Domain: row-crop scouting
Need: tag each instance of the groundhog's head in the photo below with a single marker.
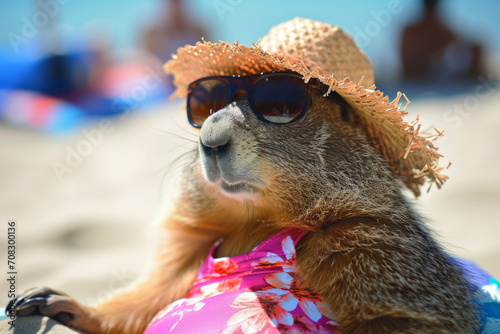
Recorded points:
(295, 129)
(281, 145)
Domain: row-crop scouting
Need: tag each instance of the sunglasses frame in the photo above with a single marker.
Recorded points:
(247, 83)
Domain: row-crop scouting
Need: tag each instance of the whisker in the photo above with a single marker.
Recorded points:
(179, 136)
(189, 155)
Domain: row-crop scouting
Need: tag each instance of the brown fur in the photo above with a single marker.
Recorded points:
(367, 252)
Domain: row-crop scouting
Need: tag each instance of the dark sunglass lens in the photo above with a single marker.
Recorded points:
(205, 98)
(279, 98)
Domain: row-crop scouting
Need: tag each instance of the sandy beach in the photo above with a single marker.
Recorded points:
(88, 229)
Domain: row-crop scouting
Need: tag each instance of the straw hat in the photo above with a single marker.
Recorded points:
(327, 53)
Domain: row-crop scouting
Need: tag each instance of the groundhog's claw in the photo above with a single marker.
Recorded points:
(36, 301)
(55, 305)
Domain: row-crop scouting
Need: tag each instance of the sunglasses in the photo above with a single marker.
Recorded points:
(274, 97)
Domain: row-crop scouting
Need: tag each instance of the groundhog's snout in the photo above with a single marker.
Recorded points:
(228, 151)
(215, 136)
(216, 143)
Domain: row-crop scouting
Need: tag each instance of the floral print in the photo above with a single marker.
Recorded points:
(214, 289)
(295, 294)
(260, 292)
(275, 302)
(251, 293)
(254, 316)
(177, 310)
(272, 259)
(303, 325)
(225, 266)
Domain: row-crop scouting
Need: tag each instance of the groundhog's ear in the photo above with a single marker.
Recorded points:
(342, 107)
(345, 113)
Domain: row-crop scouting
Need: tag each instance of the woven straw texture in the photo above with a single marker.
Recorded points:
(327, 53)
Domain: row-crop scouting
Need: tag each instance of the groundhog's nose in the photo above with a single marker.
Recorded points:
(216, 134)
(227, 150)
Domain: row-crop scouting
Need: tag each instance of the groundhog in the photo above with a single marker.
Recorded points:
(297, 151)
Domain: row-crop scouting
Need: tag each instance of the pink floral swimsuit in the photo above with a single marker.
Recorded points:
(258, 293)
(250, 293)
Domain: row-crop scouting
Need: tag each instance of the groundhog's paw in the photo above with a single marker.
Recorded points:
(55, 305)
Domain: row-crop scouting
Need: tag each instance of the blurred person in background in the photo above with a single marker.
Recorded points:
(430, 49)
(172, 29)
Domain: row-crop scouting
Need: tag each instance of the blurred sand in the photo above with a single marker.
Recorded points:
(91, 233)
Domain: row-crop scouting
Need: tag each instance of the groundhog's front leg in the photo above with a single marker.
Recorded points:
(379, 277)
(131, 311)
(126, 313)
